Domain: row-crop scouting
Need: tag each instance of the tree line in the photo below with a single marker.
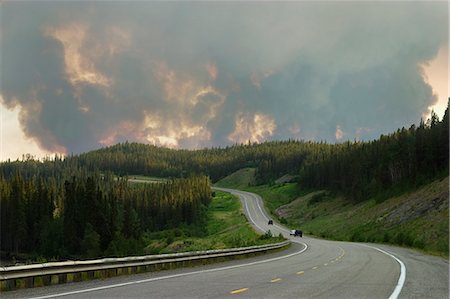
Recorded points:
(407, 157)
(77, 195)
(90, 214)
(271, 159)
(401, 160)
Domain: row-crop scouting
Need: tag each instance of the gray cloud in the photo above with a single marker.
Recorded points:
(202, 74)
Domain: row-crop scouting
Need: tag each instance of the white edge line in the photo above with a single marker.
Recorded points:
(259, 206)
(250, 215)
(242, 198)
(181, 274)
(247, 210)
(171, 276)
(257, 201)
(401, 279)
(264, 214)
(256, 198)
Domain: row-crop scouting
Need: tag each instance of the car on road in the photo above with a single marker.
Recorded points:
(270, 222)
(296, 233)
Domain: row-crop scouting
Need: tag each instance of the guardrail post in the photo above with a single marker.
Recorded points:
(90, 275)
(46, 280)
(112, 272)
(5, 285)
(52, 273)
(10, 284)
(123, 270)
(62, 278)
(29, 282)
(77, 277)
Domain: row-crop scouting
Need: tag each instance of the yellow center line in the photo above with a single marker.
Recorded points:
(275, 280)
(340, 256)
(239, 291)
(301, 272)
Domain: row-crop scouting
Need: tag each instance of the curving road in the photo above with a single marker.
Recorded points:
(311, 268)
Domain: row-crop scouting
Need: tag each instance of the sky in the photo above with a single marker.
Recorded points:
(77, 76)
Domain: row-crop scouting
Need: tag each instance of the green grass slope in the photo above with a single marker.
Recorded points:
(226, 227)
(274, 195)
(418, 218)
(238, 180)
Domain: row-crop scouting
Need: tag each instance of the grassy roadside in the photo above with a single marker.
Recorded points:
(277, 195)
(240, 179)
(274, 196)
(226, 227)
(418, 219)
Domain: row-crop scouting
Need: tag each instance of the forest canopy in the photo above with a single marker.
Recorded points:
(88, 198)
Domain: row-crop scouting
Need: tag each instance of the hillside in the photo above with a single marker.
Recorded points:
(43, 199)
(418, 218)
(238, 180)
(274, 195)
(225, 227)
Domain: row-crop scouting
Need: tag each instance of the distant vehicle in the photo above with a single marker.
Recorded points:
(296, 233)
(270, 222)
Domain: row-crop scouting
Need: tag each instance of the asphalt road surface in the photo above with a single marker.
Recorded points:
(310, 268)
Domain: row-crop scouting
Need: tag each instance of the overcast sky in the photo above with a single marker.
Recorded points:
(77, 76)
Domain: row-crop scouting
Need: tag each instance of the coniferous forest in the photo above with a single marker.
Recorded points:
(405, 159)
(89, 215)
(80, 206)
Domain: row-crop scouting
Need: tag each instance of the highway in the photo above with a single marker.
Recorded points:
(310, 268)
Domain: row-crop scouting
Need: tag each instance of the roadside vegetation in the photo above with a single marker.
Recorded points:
(88, 215)
(274, 195)
(241, 179)
(226, 227)
(83, 205)
(418, 218)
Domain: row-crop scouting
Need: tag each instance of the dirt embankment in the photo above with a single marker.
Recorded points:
(433, 197)
(290, 209)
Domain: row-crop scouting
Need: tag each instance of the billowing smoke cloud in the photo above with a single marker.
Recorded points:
(252, 129)
(191, 75)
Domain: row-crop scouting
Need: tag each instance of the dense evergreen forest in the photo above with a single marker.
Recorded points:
(405, 159)
(271, 159)
(78, 195)
(89, 215)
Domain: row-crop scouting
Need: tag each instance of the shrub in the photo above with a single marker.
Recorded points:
(266, 236)
(316, 198)
(400, 238)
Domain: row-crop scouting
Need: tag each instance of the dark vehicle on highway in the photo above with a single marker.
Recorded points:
(270, 222)
(296, 233)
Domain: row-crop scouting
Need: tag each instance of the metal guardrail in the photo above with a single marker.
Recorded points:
(149, 262)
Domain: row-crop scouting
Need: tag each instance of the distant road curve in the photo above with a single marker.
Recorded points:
(411, 274)
(311, 268)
